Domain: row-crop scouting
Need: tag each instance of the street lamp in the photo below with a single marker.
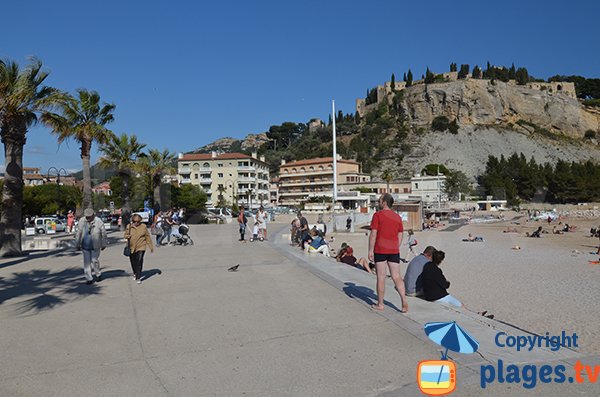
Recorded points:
(57, 181)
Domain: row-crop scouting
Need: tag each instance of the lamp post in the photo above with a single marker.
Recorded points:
(58, 170)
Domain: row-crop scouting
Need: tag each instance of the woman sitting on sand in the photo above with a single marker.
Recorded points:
(435, 284)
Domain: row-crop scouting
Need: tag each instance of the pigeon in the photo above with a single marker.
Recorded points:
(234, 268)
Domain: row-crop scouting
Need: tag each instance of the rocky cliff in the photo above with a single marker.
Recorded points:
(229, 144)
(479, 102)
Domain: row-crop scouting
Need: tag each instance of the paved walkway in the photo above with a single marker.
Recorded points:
(285, 324)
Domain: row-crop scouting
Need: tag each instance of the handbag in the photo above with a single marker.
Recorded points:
(127, 250)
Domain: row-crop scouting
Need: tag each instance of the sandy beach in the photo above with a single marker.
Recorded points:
(546, 286)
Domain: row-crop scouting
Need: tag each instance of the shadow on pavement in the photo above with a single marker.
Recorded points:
(365, 294)
(149, 273)
(45, 289)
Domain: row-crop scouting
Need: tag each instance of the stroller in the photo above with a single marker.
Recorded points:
(183, 238)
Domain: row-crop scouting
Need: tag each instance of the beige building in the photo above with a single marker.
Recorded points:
(32, 176)
(299, 180)
(237, 177)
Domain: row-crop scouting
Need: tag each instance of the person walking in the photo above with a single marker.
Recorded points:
(70, 221)
(138, 238)
(91, 239)
(384, 249)
(242, 222)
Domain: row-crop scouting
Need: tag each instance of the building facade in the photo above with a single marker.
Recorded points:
(32, 176)
(302, 179)
(233, 177)
(431, 189)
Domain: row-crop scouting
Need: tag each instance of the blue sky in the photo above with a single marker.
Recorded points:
(183, 73)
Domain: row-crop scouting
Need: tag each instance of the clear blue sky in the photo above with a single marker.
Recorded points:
(183, 73)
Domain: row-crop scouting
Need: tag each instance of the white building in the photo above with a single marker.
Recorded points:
(429, 188)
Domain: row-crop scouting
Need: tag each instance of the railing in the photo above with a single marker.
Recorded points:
(316, 172)
(300, 183)
(245, 168)
(205, 180)
(186, 180)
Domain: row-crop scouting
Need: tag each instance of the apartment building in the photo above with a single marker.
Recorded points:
(299, 180)
(32, 176)
(431, 189)
(236, 177)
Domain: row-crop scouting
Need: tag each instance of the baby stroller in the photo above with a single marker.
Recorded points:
(256, 234)
(183, 238)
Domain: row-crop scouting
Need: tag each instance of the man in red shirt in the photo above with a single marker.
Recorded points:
(384, 249)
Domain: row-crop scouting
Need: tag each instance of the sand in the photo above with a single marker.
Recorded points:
(546, 286)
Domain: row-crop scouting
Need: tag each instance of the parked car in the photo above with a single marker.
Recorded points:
(42, 224)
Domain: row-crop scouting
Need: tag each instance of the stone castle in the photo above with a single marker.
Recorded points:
(385, 91)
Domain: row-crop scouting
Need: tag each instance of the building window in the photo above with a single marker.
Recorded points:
(416, 186)
(220, 165)
(405, 190)
(206, 165)
(220, 175)
(195, 176)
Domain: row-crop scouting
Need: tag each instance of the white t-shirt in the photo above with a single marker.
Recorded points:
(261, 218)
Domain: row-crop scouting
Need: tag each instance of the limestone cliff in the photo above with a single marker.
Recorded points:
(476, 102)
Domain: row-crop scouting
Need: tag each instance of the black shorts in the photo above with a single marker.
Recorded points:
(394, 258)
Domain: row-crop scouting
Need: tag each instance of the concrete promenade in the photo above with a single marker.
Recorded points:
(285, 324)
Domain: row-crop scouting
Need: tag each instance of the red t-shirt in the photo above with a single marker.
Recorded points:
(388, 224)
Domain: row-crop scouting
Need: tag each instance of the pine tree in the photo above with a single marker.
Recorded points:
(393, 82)
(409, 78)
(429, 77)
(476, 72)
(522, 76)
(340, 117)
(464, 71)
(404, 77)
(512, 74)
(453, 67)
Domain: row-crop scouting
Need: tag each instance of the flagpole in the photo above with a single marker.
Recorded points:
(334, 155)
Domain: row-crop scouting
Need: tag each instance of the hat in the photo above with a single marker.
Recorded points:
(349, 250)
(344, 245)
(88, 212)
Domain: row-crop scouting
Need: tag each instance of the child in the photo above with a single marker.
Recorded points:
(412, 242)
(256, 234)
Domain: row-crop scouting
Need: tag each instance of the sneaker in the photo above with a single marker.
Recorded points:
(139, 281)
(99, 278)
(88, 282)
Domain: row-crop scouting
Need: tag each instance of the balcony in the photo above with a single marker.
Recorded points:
(307, 182)
(245, 179)
(306, 173)
(185, 170)
(205, 180)
(186, 180)
(245, 168)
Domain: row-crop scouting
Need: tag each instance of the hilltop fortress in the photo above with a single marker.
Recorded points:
(385, 91)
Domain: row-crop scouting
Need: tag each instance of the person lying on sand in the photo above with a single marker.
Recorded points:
(510, 230)
(473, 239)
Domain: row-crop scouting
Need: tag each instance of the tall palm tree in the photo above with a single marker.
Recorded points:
(83, 119)
(23, 98)
(160, 163)
(122, 152)
(388, 176)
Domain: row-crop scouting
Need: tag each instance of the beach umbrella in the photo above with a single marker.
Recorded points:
(452, 337)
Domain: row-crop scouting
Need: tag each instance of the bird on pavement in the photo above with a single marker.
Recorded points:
(234, 268)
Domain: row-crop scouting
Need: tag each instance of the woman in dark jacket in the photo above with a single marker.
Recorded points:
(435, 284)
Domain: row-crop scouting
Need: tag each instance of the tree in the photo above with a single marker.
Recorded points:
(522, 76)
(434, 169)
(190, 197)
(121, 152)
(23, 101)
(456, 184)
(409, 78)
(476, 72)
(83, 119)
(512, 74)
(453, 67)
(387, 175)
(158, 164)
(393, 82)
(429, 77)
(404, 77)
(464, 71)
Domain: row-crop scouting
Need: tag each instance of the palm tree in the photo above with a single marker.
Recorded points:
(83, 119)
(387, 175)
(23, 98)
(156, 164)
(121, 153)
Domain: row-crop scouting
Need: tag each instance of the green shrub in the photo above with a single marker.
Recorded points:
(440, 123)
(590, 134)
(453, 127)
(592, 102)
